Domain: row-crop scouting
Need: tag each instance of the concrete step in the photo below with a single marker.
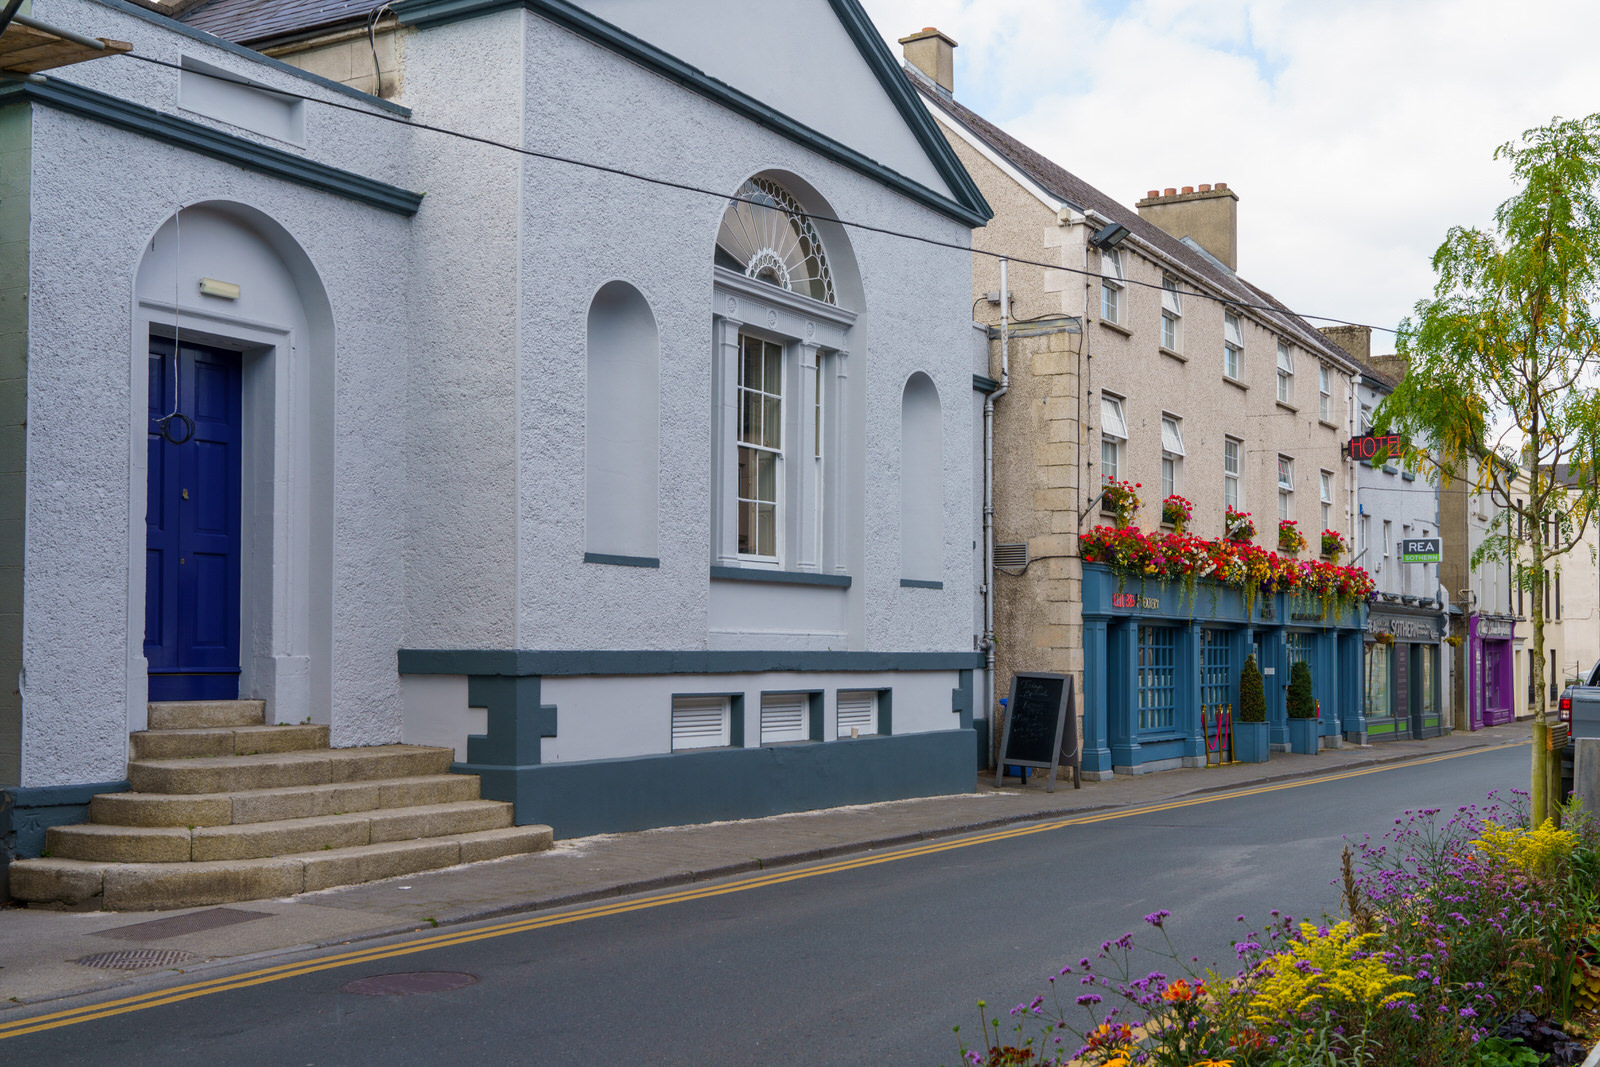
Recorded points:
(260, 840)
(226, 741)
(160, 886)
(273, 805)
(218, 774)
(206, 714)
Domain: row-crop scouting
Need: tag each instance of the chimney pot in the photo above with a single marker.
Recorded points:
(1170, 192)
(1153, 193)
(1220, 185)
(1188, 188)
(1205, 188)
(932, 53)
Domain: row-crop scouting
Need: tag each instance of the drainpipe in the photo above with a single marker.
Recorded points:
(988, 494)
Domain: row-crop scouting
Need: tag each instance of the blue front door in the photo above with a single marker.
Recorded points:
(191, 601)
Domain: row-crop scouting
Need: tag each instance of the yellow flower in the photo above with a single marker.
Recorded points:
(1533, 851)
(1319, 968)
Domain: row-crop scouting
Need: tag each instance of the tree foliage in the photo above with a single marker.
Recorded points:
(1503, 362)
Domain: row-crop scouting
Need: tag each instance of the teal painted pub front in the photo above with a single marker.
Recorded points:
(1156, 653)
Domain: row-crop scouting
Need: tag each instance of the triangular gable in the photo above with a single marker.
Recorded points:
(816, 71)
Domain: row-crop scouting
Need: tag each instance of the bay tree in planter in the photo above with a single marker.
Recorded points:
(1252, 741)
(1302, 708)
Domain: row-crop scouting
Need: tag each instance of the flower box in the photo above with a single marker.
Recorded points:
(1252, 741)
(1304, 736)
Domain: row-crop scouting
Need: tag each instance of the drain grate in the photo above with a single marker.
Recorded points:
(137, 959)
(409, 982)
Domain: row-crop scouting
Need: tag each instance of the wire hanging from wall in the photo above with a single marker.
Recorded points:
(186, 424)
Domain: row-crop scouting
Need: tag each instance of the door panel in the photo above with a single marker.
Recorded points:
(192, 526)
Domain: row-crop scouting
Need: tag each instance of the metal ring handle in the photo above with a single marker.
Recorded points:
(188, 428)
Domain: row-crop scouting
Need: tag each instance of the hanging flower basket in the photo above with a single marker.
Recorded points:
(1333, 545)
(1238, 527)
(1175, 512)
(1290, 539)
(1121, 500)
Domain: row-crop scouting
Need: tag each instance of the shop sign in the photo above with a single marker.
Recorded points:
(1419, 550)
(1371, 445)
(1494, 629)
(1406, 629)
(1130, 600)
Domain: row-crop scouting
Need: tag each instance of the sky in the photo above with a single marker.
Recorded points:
(1355, 133)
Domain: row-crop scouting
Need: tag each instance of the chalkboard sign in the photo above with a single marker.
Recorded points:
(1041, 728)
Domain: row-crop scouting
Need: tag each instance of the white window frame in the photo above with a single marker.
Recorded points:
(780, 452)
(1325, 491)
(1232, 479)
(1285, 487)
(701, 722)
(1171, 315)
(1113, 436)
(785, 718)
(1111, 286)
(1172, 453)
(1324, 393)
(856, 709)
(1285, 373)
(1232, 346)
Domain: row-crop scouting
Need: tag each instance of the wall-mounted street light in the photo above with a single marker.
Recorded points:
(1109, 236)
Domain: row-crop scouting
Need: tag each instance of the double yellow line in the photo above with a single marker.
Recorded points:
(157, 998)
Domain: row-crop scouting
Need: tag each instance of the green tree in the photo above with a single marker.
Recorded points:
(1500, 381)
(1252, 693)
(1301, 703)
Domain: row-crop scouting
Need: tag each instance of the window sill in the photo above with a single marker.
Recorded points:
(776, 577)
(1334, 426)
(621, 561)
(1117, 327)
(1236, 383)
(1285, 405)
(919, 583)
(1408, 476)
(1170, 354)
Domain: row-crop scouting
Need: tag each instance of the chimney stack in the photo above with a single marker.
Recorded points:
(1210, 216)
(935, 55)
(1356, 340)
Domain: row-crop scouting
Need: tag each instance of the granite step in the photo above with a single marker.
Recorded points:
(70, 882)
(225, 741)
(219, 774)
(206, 714)
(272, 805)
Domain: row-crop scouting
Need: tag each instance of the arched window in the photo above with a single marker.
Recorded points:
(921, 482)
(765, 235)
(621, 426)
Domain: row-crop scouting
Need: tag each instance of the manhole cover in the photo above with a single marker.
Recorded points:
(137, 959)
(409, 982)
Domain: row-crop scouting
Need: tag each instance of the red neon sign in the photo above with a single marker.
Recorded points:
(1370, 446)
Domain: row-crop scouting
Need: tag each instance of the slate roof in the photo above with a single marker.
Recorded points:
(244, 21)
(1063, 184)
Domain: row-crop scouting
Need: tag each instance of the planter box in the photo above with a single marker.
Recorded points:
(1304, 736)
(1252, 741)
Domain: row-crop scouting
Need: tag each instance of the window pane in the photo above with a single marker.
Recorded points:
(1230, 491)
(1111, 420)
(1168, 476)
(1230, 361)
(1285, 361)
(750, 418)
(1327, 488)
(767, 529)
(1169, 332)
(1171, 437)
(1170, 301)
(1283, 505)
(771, 422)
(1232, 331)
(1108, 458)
(1230, 456)
(773, 381)
(766, 477)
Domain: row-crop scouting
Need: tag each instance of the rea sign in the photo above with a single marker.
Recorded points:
(1419, 550)
(1372, 445)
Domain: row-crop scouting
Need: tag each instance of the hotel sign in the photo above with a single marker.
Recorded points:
(1406, 628)
(1370, 446)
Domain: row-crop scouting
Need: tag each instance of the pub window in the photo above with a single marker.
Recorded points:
(1378, 659)
(1158, 701)
(1216, 667)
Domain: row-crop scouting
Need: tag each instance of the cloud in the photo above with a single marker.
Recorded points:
(1355, 133)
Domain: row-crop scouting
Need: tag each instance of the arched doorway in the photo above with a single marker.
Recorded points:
(232, 466)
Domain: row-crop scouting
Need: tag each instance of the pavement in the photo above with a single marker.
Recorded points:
(46, 955)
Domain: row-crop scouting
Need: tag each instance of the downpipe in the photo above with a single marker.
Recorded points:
(988, 643)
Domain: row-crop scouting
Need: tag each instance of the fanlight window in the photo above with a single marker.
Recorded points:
(765, 234)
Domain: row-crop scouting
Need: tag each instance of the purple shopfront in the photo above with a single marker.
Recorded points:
(1490, 684)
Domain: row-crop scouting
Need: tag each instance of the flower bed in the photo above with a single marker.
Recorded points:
(1467, 941)
(1178, 557)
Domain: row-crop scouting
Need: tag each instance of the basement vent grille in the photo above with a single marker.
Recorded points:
(858, 711)
(137, 959)
(1011, 555)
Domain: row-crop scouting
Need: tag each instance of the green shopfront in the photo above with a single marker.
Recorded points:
(1162, 662)
(1401, 671)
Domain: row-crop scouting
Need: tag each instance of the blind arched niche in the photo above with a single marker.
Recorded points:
(921, 482)
(621, 425)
